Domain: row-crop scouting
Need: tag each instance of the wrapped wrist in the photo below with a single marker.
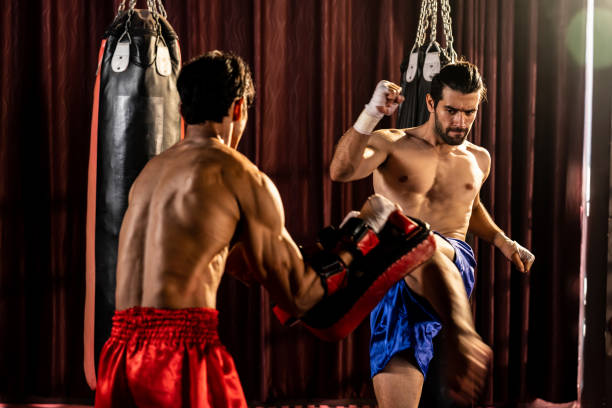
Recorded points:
(366, 122)
(507, 246)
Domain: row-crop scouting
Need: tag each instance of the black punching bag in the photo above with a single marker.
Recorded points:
(135, 117)
(418, 69)
(422, 62)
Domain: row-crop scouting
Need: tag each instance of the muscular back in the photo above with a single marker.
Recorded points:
(187, 208)
(169, 253)
(435, 183)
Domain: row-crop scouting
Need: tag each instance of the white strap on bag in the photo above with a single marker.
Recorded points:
(121, 56)
(431, 66)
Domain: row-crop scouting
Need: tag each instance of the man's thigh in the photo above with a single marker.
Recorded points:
(445, 247)
(399, 384)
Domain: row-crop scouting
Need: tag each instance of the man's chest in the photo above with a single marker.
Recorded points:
(452, 175)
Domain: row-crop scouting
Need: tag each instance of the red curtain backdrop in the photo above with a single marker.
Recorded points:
(315, 65)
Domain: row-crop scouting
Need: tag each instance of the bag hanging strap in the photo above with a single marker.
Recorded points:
(156, 7)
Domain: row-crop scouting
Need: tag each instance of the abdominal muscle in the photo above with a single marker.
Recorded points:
(446, 216)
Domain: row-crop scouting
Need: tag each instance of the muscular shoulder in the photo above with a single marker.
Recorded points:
(394, 141)
(240, 173)
(386, 137)
(235, 166)
(481, 155)
(256, 194)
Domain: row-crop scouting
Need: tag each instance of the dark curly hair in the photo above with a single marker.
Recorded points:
(208, 85)
(462, 76)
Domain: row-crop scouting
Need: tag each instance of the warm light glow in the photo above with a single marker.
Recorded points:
(367, 153)
(586, 183)
(600, 33)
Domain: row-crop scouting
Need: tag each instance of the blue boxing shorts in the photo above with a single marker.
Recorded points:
(404, 320)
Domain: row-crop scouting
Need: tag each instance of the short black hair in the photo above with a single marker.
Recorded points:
(462, 76)
(208, 85)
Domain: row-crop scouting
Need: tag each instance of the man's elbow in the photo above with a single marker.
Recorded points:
(337, 173)
(298, 307)
(302, 307)
(307, 297)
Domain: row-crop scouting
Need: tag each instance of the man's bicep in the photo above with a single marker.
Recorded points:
(373, 156)
(356, 156)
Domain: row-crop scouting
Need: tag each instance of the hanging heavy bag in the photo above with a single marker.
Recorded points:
(135, 117)
(422, 62)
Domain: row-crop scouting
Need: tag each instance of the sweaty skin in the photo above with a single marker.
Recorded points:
(439, 183)
(187, 209)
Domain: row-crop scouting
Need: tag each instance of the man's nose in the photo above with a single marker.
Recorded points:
(460, 119)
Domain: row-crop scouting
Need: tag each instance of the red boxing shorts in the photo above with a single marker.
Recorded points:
(167, 358)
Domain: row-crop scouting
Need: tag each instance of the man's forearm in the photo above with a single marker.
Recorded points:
(482, 225)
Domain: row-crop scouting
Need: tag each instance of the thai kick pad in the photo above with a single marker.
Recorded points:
(135, 117)
(401, 245)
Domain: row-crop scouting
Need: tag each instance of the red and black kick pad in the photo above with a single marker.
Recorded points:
(404, 244)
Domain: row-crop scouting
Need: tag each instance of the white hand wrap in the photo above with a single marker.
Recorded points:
(365, 123)
(375, 211)
(509, 247)
(370, 116)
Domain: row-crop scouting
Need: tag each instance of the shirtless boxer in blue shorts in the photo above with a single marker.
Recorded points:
(434, 174)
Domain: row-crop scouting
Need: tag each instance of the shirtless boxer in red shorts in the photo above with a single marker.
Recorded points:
(186, 209)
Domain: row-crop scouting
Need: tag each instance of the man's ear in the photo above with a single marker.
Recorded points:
(430, 103)
(237, 112)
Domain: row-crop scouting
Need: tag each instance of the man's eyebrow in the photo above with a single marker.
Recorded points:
(459, 110)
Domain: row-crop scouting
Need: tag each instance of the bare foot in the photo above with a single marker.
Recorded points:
(468, 363)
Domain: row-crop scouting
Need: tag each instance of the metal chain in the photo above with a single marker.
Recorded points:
(447, 23)
(420, 37)
(126, 29)
(434, 20)
(122, 6)
(152, 7)
(428, 18)
(431, 5)
(161, 9)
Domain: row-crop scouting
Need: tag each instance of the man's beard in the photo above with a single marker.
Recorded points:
(446, 137)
